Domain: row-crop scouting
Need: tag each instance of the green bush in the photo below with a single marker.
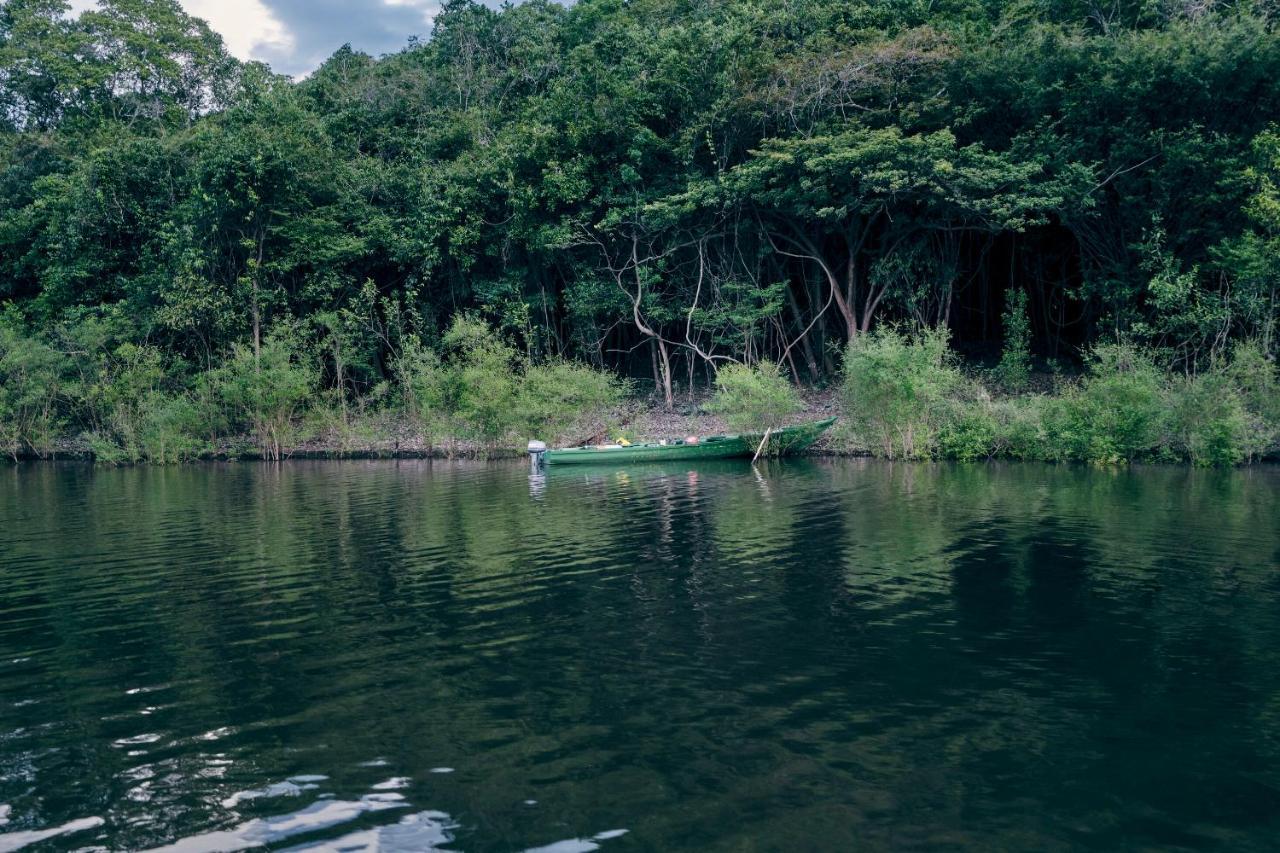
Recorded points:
(161, 428)
(171, 429)
(752, 398)
(1116, 414)
(30, 383)
(1014, 370)
(485, 375)
(903, 398)
(484, 389)
(426, 389)
(106, 451)
(116, 386)
(116, 389)
(265, 393)
(1207, 420)
(1253, 373)
(895, 390)
(557, 395)
(213, 412)
(1020, 427)
(970, 433)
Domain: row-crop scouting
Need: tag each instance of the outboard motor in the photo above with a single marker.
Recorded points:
(537, 454)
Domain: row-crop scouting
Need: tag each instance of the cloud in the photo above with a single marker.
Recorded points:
(295, 36)
(319, 27)
(429, 7)
(249, 27)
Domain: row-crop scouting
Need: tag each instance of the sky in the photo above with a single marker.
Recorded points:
(295, 36)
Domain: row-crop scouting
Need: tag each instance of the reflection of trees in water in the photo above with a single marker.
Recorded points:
(901, 522)
(710, 636)
(1149, 593)
(906, 525)
(753, 516)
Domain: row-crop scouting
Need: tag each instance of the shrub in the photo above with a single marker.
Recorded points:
(1014, 370)
(484, 380)
(895, 390)
(1255, 376)
(171, 429)
(213, 413)
(106, 451)
(753, 397)
(30, 381)
(266, 393)
(160, 427)
(486, 390)
(1019, 427)
(426, 389)
(1115, 415)
(559, 394)
(112, 394)
(970, 433)
(1207, 419)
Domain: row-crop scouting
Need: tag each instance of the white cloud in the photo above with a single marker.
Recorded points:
(294, 37)
(429, 8)
(249, 29)
(247, 26)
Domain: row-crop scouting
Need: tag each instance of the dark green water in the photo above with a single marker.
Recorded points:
(813, 656)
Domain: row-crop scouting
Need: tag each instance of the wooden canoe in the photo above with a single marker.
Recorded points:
(792, 439)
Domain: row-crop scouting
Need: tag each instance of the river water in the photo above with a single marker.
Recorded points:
(806, 655)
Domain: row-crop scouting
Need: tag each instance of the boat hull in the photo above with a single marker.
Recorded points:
(781, 442)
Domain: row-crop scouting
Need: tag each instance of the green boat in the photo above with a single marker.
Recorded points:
(792, 439)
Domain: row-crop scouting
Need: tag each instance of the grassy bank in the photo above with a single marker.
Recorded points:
(901, 396)
(906, 397)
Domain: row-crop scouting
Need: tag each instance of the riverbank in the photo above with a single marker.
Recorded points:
(901, 396)
(392, 435)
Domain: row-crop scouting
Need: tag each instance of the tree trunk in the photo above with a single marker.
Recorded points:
(653, 362)
(257, 327)
(846, 310)
(340, 378)
(664, 357)
(806, 345)
(257, 313)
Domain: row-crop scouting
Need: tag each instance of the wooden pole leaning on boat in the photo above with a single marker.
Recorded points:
(763, 442)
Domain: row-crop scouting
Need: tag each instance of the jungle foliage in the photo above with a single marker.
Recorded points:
(190, 244)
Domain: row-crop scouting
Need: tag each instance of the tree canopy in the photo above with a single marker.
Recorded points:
(657, 186)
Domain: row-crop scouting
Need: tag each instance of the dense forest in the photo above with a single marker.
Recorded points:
(655, 187)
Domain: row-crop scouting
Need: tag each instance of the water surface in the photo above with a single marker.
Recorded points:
(801, 656)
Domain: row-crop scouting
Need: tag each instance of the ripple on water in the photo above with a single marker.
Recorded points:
(393, 784)
(17, 840)
(292, 787)
(791, 656)
(578, 845)
(318, 816)
(421, 831)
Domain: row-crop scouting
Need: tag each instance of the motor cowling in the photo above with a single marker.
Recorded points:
(537, 453)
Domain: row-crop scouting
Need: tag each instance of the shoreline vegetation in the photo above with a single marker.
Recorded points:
(902, 395)
(1042, 230)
